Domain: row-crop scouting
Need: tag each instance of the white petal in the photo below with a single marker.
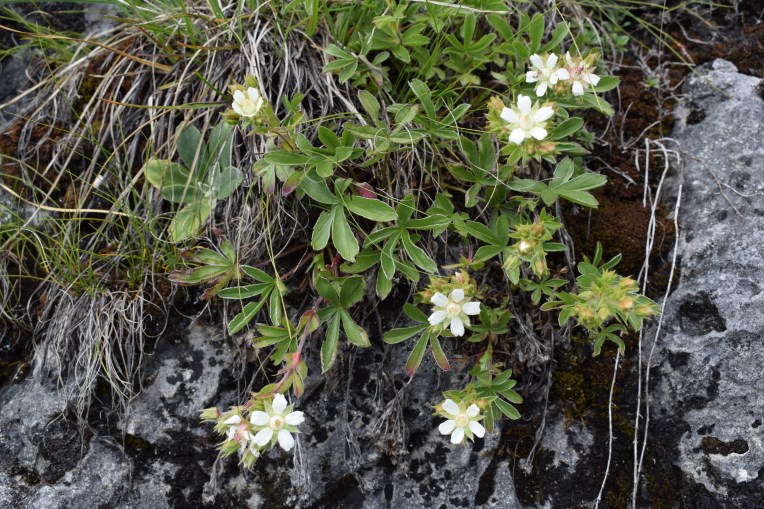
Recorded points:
(524, 103)
(551, 61)
(254, 94)
(233, 420)
(237, 108)
(568, 59)
(457, 436)
(439, 300)
(437, 317)
(531, 77)
(457, 327)
(473, 410)
(238, 96)
(578, 88)
(543, 114)
(541, 88)
(539, 133)
(517, 136)
(509, 115)
(263, 437)
(295, 418)
(285, 440)
(592, 78)
(536, 61)
(457, 295)
(231, 433)
(477, 429)
(259, 418)
(471, 308)
(562, 74)
(447, 427)
(279, 404)
(450, 407)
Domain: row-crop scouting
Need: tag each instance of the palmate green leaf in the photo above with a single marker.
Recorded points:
(316, 187)
(566, 128)
(383, 286)
(227, 180)
(330, 344)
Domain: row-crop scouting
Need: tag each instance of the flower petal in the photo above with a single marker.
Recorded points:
(477, 429)
(578, 88)
(536, 61)
(446, 427)
(263, 437)
(437, 317)
(457, 327)
(236, 108)
(543, 114)
(259, 418)
(473, 410)
(541, 88)
(279, 404)
(471, 308)
(457, 436)
(568, 59)
(531, 76)
(524, 104)
(233, 420)
(539, 133)
(439, 300)
(551, 61)
(592, 78)
(562, 74)
(238, 96)
(517, 136)
(294, 418)
(285, 440)
(508, 115)
(457, 295)
(450, 407)
(254, 94)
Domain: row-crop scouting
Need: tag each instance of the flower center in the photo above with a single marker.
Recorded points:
(526, 122)
(453, 309)
(248, 106)
(277, 423)
(462, 420)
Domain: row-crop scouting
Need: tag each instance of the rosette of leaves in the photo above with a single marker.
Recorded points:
(203, 176)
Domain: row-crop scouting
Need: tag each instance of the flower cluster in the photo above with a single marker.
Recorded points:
(275, 423)
(577, 72)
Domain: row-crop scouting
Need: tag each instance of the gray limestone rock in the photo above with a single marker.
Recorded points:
(710, 380)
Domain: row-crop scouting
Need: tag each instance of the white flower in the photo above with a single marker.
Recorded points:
(545, 74)
(580, 75)
(278, 421)
(249, 103)
(524, 247)
(527, 120)
(238, 431)
(461, 422)
(452, 308)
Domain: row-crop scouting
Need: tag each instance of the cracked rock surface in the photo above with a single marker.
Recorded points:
(708, 403)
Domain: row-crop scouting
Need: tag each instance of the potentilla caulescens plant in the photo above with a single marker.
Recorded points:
(372, 233)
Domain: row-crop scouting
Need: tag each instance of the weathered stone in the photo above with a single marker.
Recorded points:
(712, 348)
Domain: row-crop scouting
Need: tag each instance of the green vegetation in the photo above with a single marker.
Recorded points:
(336, 150)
